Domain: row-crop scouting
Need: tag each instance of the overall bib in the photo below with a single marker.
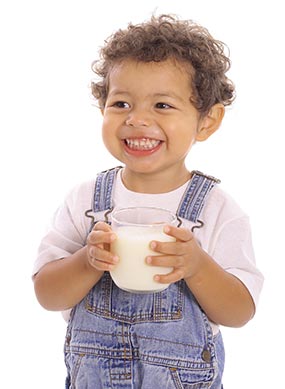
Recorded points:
(121, 340)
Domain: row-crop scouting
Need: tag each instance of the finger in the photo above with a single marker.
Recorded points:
(170, 248)
(99, 254)
(102, 226)
(100, 265)
(182, 234)
(174, 276)
(97, 237)
(165, 261)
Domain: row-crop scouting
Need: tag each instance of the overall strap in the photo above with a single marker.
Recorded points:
(102, 200)
(190, 206)
(195, 195)
(103, 193)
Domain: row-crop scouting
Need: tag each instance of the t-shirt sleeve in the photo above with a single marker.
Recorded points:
(233, 250)
(68, 230)
(227, 237)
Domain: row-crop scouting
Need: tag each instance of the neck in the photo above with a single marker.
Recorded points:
(160, 182)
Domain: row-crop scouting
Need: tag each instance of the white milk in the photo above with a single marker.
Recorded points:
(132, 273)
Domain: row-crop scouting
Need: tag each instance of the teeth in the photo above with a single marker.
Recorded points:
(142, 144)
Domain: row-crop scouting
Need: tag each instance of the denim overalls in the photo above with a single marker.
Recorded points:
(121, 340)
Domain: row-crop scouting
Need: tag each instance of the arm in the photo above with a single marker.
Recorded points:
(63, 283)
(222, 296)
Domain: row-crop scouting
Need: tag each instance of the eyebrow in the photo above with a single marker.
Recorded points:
(159, 94)
(118, 92)
(168, 94)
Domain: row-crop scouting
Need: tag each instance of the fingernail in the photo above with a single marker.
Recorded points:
(116, 258)
(166, 229)
(153, 245)
(148, 260)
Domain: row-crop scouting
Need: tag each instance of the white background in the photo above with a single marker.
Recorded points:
(50, 141)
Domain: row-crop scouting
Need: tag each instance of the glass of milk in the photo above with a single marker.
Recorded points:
(135, 229)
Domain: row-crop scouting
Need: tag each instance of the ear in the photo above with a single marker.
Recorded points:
(210, 122)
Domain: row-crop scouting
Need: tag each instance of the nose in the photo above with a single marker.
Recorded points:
(138, 118)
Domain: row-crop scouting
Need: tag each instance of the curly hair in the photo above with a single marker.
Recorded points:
(166, 37)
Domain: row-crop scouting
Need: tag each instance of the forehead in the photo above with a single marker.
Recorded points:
(131, 72)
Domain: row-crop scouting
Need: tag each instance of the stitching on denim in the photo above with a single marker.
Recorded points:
(174, 372)
(115, 352)
(176, 362)
(102, 199)
(140, 318)
(100, 303)
(75, 370)
(195, 195)
(153, 338)
(93, 350)
(175, 377)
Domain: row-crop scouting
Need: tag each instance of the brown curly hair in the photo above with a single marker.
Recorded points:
(165, 37)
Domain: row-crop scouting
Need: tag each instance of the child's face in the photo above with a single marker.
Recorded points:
(149, 123)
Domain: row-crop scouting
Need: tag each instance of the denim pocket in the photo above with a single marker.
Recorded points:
(159, 376)
(73, 362)
(108, 301)
(89, 372)
(185, 379)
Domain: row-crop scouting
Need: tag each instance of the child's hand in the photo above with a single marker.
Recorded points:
(184, 255)
(98, 247)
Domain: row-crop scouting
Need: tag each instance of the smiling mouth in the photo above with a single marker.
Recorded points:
(142, 143)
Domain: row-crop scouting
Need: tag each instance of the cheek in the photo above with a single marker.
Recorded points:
(110, 137)
(108, 128)
(182, 143)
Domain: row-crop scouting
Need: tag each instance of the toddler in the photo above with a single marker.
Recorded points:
(161, 87)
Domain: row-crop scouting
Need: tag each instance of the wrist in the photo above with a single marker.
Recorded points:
(199, 268)
(87, 261)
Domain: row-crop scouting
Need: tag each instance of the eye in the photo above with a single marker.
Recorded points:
(121, 104)
(163, 106)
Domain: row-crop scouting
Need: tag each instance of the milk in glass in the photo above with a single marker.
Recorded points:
(132, 246)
